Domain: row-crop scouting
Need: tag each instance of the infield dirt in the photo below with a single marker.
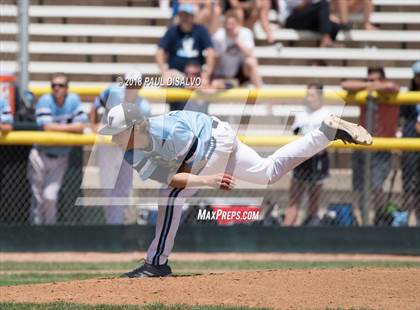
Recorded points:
(370, 288)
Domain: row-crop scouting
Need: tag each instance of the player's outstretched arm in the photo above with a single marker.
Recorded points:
(219, 181)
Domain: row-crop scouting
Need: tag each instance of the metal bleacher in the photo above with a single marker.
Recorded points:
(94, 43)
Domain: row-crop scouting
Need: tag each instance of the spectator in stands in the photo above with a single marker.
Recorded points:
(311, 15)
(116, 175)
(385, 125)
(6, 116)
(208, 12)
(249, 11)
(184, 43)
(234, 47)
(342, 8)
(192, 79)
(418, 131)
(62, 112)
(310, 174)
(410, 161)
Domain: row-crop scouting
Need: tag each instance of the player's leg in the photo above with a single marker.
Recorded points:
(36, 173)
(53, 180)
(171, 202)
(249, 166)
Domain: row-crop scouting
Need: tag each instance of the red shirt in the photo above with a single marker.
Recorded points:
(385, 119)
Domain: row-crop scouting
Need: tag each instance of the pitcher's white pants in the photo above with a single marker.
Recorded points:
(242, 162)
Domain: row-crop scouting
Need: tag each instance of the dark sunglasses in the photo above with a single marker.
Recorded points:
(54, 85)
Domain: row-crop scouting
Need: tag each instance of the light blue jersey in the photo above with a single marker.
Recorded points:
(114, 95)
(6, 115)
(48, 112)
(179, 137)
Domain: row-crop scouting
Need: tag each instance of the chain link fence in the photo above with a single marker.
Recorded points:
(329, 189)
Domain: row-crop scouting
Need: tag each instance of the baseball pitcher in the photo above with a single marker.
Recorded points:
(187, 150)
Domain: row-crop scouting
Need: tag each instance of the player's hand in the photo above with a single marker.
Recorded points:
(221, 181)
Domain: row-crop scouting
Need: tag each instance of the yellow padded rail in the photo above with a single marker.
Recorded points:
(63, 139)
(243, 94)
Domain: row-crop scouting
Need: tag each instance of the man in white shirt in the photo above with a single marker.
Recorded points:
(234, 46)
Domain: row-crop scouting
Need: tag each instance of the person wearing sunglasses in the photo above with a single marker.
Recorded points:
(59, 111)
(410, 161)
(385, 122)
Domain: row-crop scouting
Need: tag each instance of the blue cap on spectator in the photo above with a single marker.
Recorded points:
(416, 67)
(186, 8)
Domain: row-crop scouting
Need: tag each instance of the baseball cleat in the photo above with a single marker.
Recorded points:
(335, 128)
(148, 270)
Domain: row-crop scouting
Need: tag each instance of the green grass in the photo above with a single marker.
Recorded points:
(204, 265)
(13, 273)
(26, 278)
(66, 306)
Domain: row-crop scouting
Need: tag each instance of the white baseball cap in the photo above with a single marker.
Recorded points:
(120, 118)
(186, 8)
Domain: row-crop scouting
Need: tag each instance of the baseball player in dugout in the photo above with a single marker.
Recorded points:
(6, 116)
(186, 151)
(116, 175)
(58, 111)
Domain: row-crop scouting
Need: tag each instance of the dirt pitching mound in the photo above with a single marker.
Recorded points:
(292, 289)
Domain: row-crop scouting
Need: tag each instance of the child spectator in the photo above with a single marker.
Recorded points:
(310, 174)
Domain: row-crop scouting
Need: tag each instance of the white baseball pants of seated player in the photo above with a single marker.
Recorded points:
(232, 156)
(45, 176)
(116, 180)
